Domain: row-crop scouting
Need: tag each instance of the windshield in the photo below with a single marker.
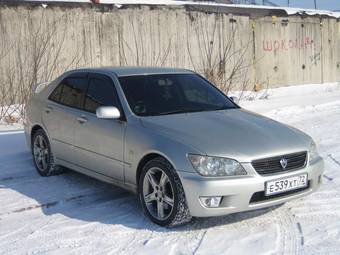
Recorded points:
(162, 94)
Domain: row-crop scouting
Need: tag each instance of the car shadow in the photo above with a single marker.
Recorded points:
(79, 197)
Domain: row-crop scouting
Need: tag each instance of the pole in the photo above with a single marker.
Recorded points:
(315, 4)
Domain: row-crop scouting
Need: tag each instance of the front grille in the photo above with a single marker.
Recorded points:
(273, 166)
(261, 197)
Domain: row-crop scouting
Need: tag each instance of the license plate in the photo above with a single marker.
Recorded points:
(286, 184)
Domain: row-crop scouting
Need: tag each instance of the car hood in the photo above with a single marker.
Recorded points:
(234, 133)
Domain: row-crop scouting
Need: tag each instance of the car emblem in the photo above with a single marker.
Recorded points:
(283, 163)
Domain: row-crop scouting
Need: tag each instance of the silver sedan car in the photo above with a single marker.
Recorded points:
(171, 137)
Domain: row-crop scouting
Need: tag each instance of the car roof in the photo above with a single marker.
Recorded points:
(130, 71)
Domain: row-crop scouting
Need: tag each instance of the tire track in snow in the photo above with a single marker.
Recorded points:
(301, 234)
(327, 177)
(18, 178)
(288, 234)
(334, 160)
(317, 213)
(200, 242)
(75, 198)
(7, 160)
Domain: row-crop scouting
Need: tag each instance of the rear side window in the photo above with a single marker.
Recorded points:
(100, 93)
(71, 92)
(56, 94)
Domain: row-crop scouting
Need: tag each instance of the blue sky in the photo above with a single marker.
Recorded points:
(321, 4)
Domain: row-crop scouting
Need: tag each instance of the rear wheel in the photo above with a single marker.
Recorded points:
(162, 195)
(42, 155)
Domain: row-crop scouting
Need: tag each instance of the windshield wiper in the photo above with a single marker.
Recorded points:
(225, 108)
(172, 112)
(194, 110)
(182, 111)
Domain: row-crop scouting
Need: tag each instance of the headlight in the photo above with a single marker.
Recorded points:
(216, 166)
(313, 152)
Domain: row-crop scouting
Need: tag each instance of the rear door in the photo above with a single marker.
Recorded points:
(60, 111)
(99, 142)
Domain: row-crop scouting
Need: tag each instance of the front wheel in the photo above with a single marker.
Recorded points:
(162, 195)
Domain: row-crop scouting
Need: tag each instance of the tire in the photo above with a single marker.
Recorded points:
(41, 149)
(166, 189)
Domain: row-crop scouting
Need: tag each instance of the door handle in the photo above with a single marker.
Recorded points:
(48, 109)
(82, 119)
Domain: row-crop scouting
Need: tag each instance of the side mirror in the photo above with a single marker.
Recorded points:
(107, 112)
(234, 99)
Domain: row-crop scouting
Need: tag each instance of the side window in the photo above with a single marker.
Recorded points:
(101, 92)
(73, 92)
(55, 96)
(135, 92)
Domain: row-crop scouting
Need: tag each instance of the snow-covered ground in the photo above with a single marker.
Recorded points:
(74, 214)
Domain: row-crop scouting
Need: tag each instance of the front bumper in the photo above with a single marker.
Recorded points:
(237, 192)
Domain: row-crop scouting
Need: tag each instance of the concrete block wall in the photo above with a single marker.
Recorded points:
(274, 51)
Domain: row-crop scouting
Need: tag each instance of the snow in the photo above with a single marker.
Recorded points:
(288, 10)
(74, 214)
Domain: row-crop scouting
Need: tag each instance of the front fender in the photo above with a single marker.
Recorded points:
(140, 141)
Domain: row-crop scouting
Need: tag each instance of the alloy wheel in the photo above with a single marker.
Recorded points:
(41, 153)
(158, 193)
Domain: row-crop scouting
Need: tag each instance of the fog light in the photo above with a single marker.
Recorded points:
(211, 201)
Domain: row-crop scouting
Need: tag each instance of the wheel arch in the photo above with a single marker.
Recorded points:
(145, 159)
(35, 128)
(181, 214)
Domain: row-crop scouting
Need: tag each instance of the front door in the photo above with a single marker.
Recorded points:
(99, 142)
